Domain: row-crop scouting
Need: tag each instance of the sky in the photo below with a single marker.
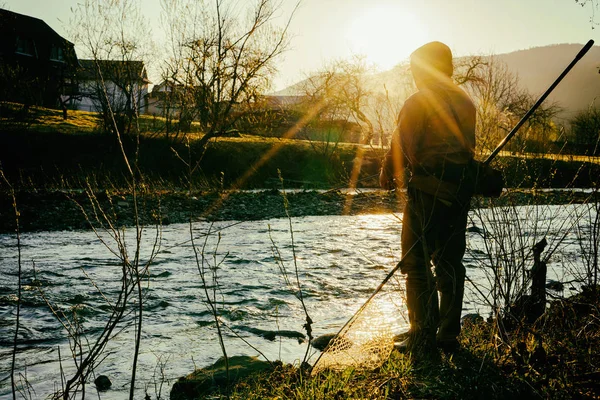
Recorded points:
(386, 31)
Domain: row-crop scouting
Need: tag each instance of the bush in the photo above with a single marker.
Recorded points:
(585, 129)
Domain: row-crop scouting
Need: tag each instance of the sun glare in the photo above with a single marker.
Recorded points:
(385, 35)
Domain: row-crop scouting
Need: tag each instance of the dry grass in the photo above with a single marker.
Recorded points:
(553, 358)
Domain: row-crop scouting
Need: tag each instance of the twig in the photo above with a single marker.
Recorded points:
(308, 325)
(18, 317)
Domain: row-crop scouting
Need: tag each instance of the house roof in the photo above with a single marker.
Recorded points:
(167, 86)
(14, 24)
(113, 70)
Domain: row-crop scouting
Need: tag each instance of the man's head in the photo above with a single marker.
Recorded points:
(432, 61)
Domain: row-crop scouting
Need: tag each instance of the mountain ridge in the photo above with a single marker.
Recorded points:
(536, 68)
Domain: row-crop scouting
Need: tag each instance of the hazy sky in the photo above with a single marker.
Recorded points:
(386, 31)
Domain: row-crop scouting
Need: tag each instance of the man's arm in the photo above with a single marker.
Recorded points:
(404, 144)
(391, 166)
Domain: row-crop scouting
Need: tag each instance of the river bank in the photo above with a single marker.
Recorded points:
(58, 210)
(78, 210)
(552, 358)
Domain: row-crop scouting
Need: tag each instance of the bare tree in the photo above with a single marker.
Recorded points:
(344, 93)
(176, 101)
(501, 102)
(386, 108)
(343, 89)
(116, 37)
(585, 130)
(222, 59)
(329, 124)
(593, 4)
(108, 30)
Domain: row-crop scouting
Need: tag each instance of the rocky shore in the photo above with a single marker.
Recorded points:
(79, 210)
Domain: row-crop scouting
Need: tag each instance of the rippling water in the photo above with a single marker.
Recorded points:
(341, 260)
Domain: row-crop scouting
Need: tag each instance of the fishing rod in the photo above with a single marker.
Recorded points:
(512, 133)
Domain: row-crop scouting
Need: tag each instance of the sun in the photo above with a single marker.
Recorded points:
(385, 34)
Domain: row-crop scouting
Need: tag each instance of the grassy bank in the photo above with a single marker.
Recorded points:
(41, 150)
(552, 358)
(45, 159)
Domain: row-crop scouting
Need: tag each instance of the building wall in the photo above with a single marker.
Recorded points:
(91, 91)
(36, 64)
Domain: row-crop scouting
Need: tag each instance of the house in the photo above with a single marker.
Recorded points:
(165, 99)
(123, 83)
(284, 102)
(37, 65)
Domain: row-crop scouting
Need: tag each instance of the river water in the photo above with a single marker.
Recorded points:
(340, 261)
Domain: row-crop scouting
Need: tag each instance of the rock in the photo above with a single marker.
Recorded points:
(478, 252)
(321, 342)
(272, 335)
(402, 336)
(474, 229)
(35, 283)
(471, 319)
(555, 285)
(203, 381)
(78, 299)
(102, 383)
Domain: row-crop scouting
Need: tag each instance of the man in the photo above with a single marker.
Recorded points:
(431, 148)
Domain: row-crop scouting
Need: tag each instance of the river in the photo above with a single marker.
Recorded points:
(340, 261)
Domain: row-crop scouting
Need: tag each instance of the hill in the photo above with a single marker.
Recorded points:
(536, 68)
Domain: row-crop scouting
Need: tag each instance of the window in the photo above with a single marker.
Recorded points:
(25, 46)
(56, 53)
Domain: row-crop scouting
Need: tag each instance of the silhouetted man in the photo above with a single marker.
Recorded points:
(431, 148)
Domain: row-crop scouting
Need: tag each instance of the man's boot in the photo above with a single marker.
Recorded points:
(450, 312)
(423, 316)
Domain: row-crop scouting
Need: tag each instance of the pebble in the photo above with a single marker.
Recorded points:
(102, 383)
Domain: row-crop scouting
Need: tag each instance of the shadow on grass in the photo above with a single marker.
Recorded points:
(463, 375)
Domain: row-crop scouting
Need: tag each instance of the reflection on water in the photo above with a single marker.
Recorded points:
(341, 260)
